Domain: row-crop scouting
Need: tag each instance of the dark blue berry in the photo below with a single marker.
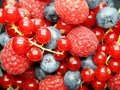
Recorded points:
(4, 38)
(93, 3)
(88, 63)
(40, 74)
(50, 13)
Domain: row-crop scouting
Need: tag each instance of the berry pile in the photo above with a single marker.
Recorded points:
(59, 45)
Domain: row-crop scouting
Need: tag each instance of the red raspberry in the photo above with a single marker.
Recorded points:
(35, 7)
(114, 82)
(12, 62)
(52, 82)
(83, 40)
(72, 11)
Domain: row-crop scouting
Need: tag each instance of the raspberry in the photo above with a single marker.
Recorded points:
(83, 40)
(72, 11)
(114, 82)
(52, 82)
(35, 7)
(12, 62)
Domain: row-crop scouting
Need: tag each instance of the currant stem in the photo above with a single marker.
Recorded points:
(35, 44)
(107, 60)
(44, 49)
(16, 29)
(118, 41)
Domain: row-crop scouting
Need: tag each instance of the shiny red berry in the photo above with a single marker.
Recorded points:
(19, 82)
(73, 63)
(102, 73)
(113, 50)
(111, 37)
(10, 31)
(100, 58)
(26, 26)
(91, 20)
(114, 65)
(63, 44)
(38, 23)
(35, 54)
(62, 69)
(102, 48)
(87, 74)
(11, 14)
(7, 80)
(63, 27)
(99, 32)
(31, 84)
(98, 85)
(60, 57)
(20, 44)
(43, 35)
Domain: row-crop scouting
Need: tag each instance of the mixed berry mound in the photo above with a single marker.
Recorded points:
(72, 11)
(12, 62)
(83, 41)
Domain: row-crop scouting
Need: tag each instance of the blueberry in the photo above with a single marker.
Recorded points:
(55, 36)
(88, 63)
(50, 13)
(109, 3)
(4, 38)
(72, 79)
(93, 3)
(40, 74)
(107, 17)
(49, 64)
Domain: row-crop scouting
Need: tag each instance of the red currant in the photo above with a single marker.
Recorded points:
(35, 54)
(62, 68)
(113, 50)
(19, 82)
(31, 84)
(98, 85)
(20, 44)
(114, 65)
(87, 74)
(99, 32)
(102, 73)
(91, 20)
(38, 23)
(60, 57)
(43, 35)
(63, 27)
(7, 80)
(99, 58)
(111, 37)
(102, 48)
(26, 26)
(10, 31)
(63, 44)
(73, 63)
(11, 14)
